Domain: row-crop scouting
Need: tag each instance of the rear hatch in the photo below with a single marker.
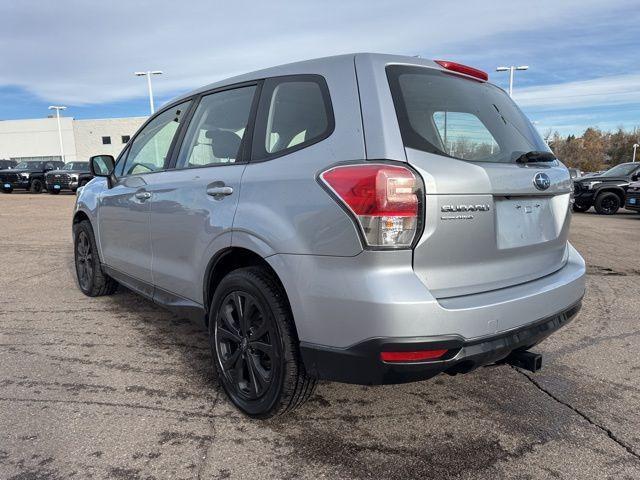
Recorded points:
(496, 201)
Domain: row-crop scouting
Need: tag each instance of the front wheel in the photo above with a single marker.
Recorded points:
(607, 203)
(254, 345)
(92, 280)
(36, 186)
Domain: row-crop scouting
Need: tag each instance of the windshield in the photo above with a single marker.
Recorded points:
(83, 166)
(33, 165)
(446, 114)
(622, 170)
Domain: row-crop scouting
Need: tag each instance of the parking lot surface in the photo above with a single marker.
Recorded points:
(115, 387)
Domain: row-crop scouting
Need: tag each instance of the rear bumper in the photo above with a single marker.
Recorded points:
(361, 363)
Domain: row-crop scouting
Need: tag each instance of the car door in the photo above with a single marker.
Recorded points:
(123, 214)
(194, 203)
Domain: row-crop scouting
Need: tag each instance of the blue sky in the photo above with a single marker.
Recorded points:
(584, 56)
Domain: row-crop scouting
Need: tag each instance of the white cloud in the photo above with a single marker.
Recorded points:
(613, 90)
(86, 52)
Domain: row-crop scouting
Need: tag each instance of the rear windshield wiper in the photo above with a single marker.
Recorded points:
(536, 156)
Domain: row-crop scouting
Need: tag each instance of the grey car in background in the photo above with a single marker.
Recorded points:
(363, 218)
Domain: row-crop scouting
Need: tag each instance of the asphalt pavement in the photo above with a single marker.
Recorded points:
(115, 387)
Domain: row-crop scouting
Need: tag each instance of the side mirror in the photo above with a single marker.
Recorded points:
(102, 165)
(635, 177)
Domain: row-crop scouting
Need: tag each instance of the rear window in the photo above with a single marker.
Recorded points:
(446, 114)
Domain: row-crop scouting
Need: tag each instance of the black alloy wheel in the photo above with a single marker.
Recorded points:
(244, 336)
(84, 261)
(254, 344)
(92, 280)
(36, 186)
(607, 203)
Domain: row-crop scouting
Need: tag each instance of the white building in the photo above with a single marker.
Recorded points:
(37, 139)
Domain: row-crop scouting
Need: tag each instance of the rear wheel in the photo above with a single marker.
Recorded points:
(254, 345)
(36, 186)
(607, 203)
(92, 280)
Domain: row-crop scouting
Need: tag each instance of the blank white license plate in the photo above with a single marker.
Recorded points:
(632, 201)
(524, 221)
(7, 185)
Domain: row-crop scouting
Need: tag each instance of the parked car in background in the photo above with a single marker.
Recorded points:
(605, 191)
(362, 218)
(633, 197)
(7, 164)
(575, 172)
(27, 175)
(69, 177)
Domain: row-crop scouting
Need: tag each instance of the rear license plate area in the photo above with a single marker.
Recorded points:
(522, 221)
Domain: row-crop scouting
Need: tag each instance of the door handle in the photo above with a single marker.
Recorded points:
(219, 191)
(143, 195)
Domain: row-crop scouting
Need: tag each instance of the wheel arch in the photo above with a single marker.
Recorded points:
(80, 216)
(619, 191)
(231, 259)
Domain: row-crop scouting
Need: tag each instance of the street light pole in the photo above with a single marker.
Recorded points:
(635, 146)
(511, 69)
(57, 108)
(148, 75)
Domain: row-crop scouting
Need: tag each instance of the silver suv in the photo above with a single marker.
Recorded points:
(364, 218)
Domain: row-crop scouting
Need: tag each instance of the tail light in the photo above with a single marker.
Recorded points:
(386, 201)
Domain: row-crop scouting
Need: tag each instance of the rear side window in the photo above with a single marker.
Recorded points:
(294, 112)
(446, 114)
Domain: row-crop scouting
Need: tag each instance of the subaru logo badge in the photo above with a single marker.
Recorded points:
(542, 181)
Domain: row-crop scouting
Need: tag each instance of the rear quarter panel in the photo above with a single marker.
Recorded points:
(282, 208)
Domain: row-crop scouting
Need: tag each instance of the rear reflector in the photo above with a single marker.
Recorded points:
(412, 356)
(465, 69)
(385, 200)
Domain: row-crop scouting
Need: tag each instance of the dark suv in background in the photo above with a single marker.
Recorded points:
(69, 177)
(606, 191)
(7, 164)
(27, 175)
(633, 197)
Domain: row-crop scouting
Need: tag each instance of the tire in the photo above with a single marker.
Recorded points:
(36, 186)
(607, 203)
(257, 360)
(92, 280)
(53, 191)
(7, 190)
(580, 208)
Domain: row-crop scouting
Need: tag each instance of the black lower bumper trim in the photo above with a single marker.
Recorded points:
(361, 363)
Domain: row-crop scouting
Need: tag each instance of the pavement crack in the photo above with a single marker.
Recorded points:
(205, 458)
(602, 428)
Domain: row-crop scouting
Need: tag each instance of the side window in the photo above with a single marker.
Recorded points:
(216, 132)
(295, 112)
(463, 135)
(148, 151)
